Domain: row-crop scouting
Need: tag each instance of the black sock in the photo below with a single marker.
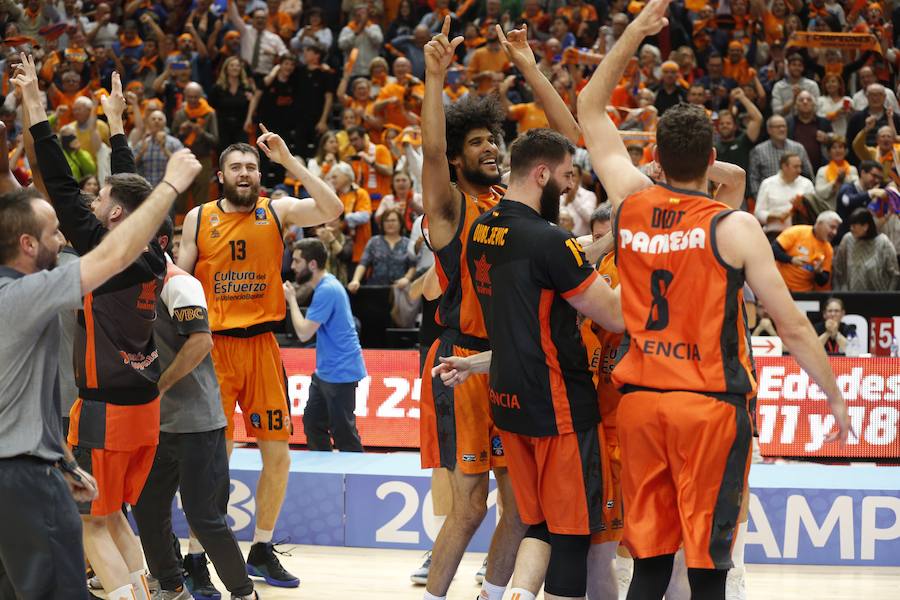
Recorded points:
(651, 577)
(707, 584)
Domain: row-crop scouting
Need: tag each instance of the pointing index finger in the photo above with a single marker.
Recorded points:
(445, 26)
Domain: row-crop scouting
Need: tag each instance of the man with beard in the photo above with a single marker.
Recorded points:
(457, 431)
(339, 362)
(235, 250)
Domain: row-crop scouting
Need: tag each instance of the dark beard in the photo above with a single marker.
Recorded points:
(478, 177)
(232, 194)
(550, 202)
(46, 260)
(303, 277)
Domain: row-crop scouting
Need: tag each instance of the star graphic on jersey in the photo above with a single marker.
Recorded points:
(482, 270)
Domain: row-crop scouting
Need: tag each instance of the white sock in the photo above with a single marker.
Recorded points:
(139, 582)
(737, 551)
(194, 545)
(489, 591)
(520, 594)
(428, 596)
(263, 536)
(126, 592)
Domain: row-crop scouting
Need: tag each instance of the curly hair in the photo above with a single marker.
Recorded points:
(684, 139)
(472, 113)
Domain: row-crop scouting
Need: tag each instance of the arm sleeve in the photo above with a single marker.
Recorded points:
(322, 304)
(183, 297)
(366, 258)
(121, 160)
(780, 254)
(562, 265)
(76, 221)
(821, 278)
(762, 203)
(30, 302)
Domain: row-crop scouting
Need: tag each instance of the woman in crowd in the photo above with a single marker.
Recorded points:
(403, 199)
(834, 105)
(90, 185)
(386, 255)
(832, 176)
(326, 156)
(865, 260)
(314, 31)
(231, 96)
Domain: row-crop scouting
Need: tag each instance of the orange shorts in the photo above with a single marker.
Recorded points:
(455, 424)
(251, 375)
(685, 460)
(613, 513)
(561, 479)
(120, 476)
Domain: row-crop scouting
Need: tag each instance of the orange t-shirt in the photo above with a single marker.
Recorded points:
(357, 200)
(799, 240)
(486, 60)
(528, 116)
(395, 113)
(376, 185)
(239, 264)
(58, 98)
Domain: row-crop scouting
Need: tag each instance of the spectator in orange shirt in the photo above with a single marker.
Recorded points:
(488, 59)
(65, 97)
(578, 11)
(804, 253)
(736, 65)
(357, 207)
(372, 165)
(398, 102)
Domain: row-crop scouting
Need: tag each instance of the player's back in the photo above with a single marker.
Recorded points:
(523, 269)
(239, 256)
(458, 307)
(683, 305)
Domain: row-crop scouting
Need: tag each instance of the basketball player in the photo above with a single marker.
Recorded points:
(683, 422)
(234, 247)
(114, 423)
(456, 428)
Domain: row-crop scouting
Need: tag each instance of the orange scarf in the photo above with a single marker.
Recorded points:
(833, 168)
(199, 115)
(740, 72)
(147, 62)
(126, 43)
(459, 93)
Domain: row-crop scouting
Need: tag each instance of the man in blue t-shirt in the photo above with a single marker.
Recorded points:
(339, 361)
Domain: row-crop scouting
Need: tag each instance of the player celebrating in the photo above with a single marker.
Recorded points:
(683, 422)
(234, 247)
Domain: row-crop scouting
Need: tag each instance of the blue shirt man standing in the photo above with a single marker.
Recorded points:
(339, 363)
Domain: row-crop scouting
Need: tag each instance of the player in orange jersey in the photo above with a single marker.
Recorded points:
(683, 421)
(234, 247)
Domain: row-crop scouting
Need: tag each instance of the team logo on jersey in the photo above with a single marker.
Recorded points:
(483, 276)
(214, 233)
(610, 504)
(214, 219)
(496, 446)
(468, 458)
(260, 215)
(255, 421)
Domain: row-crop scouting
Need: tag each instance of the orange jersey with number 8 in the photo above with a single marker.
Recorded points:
(683, 305)
(239, 258)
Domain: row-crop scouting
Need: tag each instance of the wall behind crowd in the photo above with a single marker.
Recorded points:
(802, 94)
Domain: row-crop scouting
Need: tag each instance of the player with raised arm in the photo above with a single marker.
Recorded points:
(687, 372)
(234, 246)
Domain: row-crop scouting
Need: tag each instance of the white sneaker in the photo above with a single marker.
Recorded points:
(94, 583)
(420, 575)
(161, 594)
(735, 586)
(479, 576)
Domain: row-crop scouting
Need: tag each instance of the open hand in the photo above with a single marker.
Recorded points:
(515, 44)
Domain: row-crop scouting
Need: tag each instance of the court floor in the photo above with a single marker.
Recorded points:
(328, 573)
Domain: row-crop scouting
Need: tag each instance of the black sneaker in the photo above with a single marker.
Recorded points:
(262, 562)
(196, 578)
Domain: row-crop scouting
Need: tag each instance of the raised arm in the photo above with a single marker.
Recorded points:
(440, 198)
(323, 206)
(754, 126)
(732, 181)
(234, 17)
(121, 159)
(515, 43)
(608, 155)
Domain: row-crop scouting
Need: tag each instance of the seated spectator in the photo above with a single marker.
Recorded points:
(810, 130)
(357, 206)
(327, 155)
(580, 203)
(882, 116)
(364, 36)
(79, 159)
(669, 91)
(780, 195)
(716, 84)
(865, 260)
(152, 151)
(834, 105)
(764, 324)
(399, 103)
(833, 176)
(804, 253)
(386, 255)
(198, 129)
(834, 334)
(231, 96)
(784, 94)
(402, 199)
(765, 158)
(858, 194)
(379, 76)
(884, 150)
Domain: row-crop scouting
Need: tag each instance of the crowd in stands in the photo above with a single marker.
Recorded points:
(802, 94)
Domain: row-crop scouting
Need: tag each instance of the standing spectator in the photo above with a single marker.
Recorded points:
(327, 155)
(834, 334)
(834, 105)
(357, 207)
(198, 129)
(152, 151)
(231, 97)
(313, 32)
(882, 113)
(80, 160)
(396, 100)
(884, 151)
(318, 84)
(765, 158)
(413, 48)
(580, 203)
(780, 195)
(858, 194)
(803, 253)
(866, 77)
(102, 31)
(339, 362)
(865, 261)
(278, 100)
(92, 133)
(259, 46)
(362, 35)
(65, 96)
(488, 62)
(669, 92)
(785, 91)
(372, 165)
(402, 199)
(339, 246)
(810, 130)
(734, 146)
(386, 255)
(716, 84)
(832, 177)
